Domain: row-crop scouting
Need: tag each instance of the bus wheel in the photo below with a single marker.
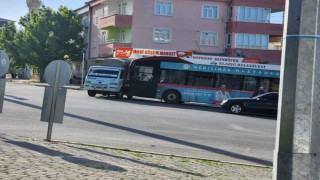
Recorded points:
(236, 108)
(172, 97)
(129, 96)
(119, 95)
(91, 93)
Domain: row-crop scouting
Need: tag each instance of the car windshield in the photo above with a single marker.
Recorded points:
(103, 73)
(266, 96)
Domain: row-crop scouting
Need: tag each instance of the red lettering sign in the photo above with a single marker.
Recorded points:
(251, 60)
(123, 52)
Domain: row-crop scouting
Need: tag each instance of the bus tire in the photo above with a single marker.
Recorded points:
(91, 93)
(236, 108)
(119, 95)
(172, 97)
(129, 96)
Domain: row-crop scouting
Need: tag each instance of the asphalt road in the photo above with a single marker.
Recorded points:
(143, 125)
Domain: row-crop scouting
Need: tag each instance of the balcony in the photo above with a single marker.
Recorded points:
(265, 56)
(116, 20)
(278, 4)
(106, 49)
(254, 28)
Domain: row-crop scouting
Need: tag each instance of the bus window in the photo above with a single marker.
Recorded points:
(230, 80)
(201, 79)
(173, 77)
(143, 73)
(274, 85)
(265, 83)
(249, 84)
(122, 76)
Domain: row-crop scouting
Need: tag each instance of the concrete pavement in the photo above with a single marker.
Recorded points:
(26, 158)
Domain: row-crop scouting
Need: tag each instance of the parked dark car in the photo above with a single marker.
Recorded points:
(266, 103)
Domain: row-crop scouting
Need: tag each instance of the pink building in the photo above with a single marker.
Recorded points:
(220, 27)
(255, 29)
(186, 25)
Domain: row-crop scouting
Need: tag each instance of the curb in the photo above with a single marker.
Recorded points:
(160, 154)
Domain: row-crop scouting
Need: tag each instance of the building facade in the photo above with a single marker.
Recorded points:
(253, 32)
(219, 27)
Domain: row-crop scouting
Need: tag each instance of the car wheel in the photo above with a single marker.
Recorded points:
(119, 95)
(236, 108)
(172, 97)
(91, 93)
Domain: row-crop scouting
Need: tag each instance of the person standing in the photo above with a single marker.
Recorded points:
(221, 95)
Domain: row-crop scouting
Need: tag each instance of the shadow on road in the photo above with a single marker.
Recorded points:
(188, 106)
(157, 136)
(17, 98)
(65, 156)
(138, 162)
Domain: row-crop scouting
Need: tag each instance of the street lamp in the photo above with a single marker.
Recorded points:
(82, 68)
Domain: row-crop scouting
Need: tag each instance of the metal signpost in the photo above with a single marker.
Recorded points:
(57, 74)
(4, 66)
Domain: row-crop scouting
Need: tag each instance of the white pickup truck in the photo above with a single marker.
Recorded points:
(105, 80)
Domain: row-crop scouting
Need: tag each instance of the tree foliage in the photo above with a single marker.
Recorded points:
(46, 36)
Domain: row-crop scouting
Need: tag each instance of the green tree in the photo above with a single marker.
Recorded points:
(7, 43)
(48, 36)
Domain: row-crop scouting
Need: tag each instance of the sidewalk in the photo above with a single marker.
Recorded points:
(26, 158)
(37, 83)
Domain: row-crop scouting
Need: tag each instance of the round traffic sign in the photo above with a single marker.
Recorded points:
(4, 63)
(58, 69)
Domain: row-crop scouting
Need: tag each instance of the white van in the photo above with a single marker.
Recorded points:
(105, 80)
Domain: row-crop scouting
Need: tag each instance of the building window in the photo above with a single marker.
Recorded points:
(209, 38)
(162, 36)
(210, 12)
(252, 14)
(93, 44)
(103, 37)
(105, 11)
(86, 29)
(228, 40)
(163, 8)
(122, 35)
(123, 8)
(96, 20)
(252, 41)
(229, 13)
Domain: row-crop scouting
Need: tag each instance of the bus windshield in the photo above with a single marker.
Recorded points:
(103, 73)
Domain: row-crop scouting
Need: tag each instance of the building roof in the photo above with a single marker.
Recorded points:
(85, 5)
(2, 19)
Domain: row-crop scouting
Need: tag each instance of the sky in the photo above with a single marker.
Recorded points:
(14, 9)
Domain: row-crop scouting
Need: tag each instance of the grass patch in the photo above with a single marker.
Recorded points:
(141, 155)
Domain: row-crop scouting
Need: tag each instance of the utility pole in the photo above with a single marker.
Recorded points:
(297, 153)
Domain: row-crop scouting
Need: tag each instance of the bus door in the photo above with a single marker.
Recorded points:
(143, 81)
